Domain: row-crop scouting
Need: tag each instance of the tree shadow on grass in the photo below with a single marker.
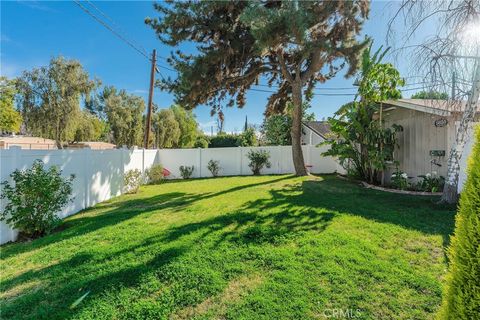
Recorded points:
(115, 212)
(421, 213)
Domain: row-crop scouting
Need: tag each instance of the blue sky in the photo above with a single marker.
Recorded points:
(33, 32)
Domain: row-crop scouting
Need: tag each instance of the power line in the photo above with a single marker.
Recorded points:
(141, 51)
(116, 24)
(111, 29)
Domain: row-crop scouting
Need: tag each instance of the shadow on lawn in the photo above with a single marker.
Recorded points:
(114, 212)
(290, 211)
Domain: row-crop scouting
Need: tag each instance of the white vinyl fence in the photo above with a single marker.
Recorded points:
(99, 173)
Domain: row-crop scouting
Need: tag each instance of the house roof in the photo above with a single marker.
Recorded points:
(322, 128)
(437, 107)
(94, 145)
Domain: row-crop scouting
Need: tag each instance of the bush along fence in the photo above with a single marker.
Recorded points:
(100, 174)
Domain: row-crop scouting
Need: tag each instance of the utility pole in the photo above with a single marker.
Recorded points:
(150, 100)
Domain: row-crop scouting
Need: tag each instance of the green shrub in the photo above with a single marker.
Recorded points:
(201, 141)
(186, 171)
(258, 160)
(224, 140)
(132, 180)
(155, 174)
(431, 182)
(462, 295)
(34, 199)
(399, 180)
(214, 167)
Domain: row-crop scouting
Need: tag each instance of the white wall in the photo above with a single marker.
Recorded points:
(234, 161)
(99, 173)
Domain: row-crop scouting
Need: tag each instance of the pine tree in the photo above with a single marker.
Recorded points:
(292, 44)
(462, 295)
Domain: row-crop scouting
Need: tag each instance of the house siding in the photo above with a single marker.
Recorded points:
(419, 137)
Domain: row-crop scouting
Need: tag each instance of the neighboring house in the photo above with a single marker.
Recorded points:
(94, 145)
(429, 129)
(315, 132)
(27, 142)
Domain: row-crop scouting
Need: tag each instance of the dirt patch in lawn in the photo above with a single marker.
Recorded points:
(235, 290)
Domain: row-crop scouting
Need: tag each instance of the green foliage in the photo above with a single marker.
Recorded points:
(166, 128)
(188, 127)
(461, 300)
(214, 167)
(175, 128)
(358, 141)
(132, 180)
(186, 171)
(155, 174)
(258, 160)
(248, 138)
(399, 180)
(49, 98)
(10, 119)
(34, 198)
(223, 140)
(124, 114)
(431, 182)
(435, 95)
(276, 128)
(363, 146)
(90, 128)
(201, 141)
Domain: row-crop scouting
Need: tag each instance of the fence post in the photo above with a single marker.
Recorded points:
(86, 175)
(240, 149)
(199, 162)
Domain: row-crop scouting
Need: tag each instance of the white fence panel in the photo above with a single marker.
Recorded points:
(99, 173)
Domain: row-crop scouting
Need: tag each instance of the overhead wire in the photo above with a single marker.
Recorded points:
(119, 35)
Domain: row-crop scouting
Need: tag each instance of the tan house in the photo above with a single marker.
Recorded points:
(25, 142)
(429, 128)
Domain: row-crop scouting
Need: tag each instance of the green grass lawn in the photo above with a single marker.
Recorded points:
(270, 247)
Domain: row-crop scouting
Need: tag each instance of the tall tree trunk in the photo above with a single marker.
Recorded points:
(296, 131)
(450, 194)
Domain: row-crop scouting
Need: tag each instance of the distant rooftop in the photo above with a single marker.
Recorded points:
(322, 128)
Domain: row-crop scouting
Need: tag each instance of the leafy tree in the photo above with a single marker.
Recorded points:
(50, 98)
(258, 160)
(434, 95)
(201, 141)
(363, 145)
(10, 119)
(294, 44)
(166, 128)
(276, 127)
(188, 127)
(248, 138)
(90, 128)
(462, 295)
(124, 114)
